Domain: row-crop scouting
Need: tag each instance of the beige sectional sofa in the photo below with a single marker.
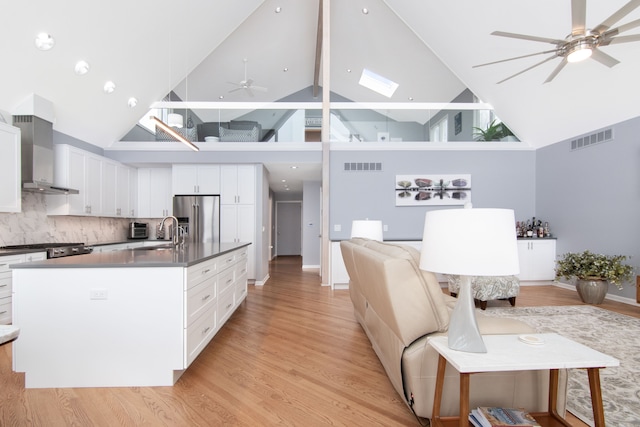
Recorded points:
(400, 307)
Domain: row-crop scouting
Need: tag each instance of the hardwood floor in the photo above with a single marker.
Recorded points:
(292, 354)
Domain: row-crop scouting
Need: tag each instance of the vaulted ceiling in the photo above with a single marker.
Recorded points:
(196, 47)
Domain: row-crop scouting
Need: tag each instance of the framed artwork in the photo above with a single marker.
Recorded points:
(457, 123)
(433, 190)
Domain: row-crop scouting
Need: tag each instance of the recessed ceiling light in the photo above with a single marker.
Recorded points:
(377, 83)
(294, 167)
(285, 69)
(109, 87)
(365, 10)
(82, 68)
(348, 70)
(44, 41)
(132, 102)
(221, 97)
(278, 9)
(287, 189)
(411, 98)
(284, 180)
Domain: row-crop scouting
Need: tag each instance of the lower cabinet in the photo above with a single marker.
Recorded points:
(537, 259)
(6, 288)
(214, 289)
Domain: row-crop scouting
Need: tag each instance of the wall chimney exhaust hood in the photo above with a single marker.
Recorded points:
(37, 148)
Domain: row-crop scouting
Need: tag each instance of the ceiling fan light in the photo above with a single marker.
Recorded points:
(579, 53)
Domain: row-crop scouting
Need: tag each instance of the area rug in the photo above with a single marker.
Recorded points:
(611, 333)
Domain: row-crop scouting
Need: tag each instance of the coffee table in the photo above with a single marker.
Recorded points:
(508, 353)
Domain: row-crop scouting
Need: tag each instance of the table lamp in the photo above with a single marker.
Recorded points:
(469, 242)
(368, 229)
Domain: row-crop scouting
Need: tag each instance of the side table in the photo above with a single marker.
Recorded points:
(509, 353)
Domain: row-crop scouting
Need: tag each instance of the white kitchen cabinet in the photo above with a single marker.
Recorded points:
(10, 169)
(537, 259)
(155, 199)
(196, 179)
(238, 224)
(237, 184)
(6, 315)
(108, 189)
(102, 184)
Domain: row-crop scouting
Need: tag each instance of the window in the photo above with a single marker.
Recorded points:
(438, 132)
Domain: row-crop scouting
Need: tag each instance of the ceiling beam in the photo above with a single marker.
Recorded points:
(316, 70)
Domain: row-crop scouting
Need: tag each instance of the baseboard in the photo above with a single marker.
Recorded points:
(261, 282)
(618, 298)
(341, 286)
(310, 267)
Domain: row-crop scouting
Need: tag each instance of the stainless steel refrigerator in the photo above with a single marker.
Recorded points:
(199, 216)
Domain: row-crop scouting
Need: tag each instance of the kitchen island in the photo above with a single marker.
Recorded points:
(135, 317)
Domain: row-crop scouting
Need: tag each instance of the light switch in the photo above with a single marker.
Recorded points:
(337, 227)
(98, 294)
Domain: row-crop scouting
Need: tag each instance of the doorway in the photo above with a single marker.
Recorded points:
(288, 228)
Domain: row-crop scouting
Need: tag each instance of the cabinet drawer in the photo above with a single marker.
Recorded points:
(200, 333)
(241, 287)
(6, 261)
(227, 261)
(199, 299)
(225, 303)
(201, 272)
(241, 269)
(225, 279)
(5, 287)
(5, 311)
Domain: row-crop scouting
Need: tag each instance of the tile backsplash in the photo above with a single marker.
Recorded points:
(32, 225)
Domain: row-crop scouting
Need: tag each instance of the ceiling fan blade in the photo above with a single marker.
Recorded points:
(578, 16)
(526, 37)
(607, 36)
(623, 39)
(249, 91)
(527, 69)
(236, 89)
(555, 72)
(617, 15)
(603, 58)
(259, 88)
(516, 57)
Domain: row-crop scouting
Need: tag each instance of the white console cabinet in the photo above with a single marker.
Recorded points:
(537, 259)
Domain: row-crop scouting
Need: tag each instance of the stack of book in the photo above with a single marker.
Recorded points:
(486, 416)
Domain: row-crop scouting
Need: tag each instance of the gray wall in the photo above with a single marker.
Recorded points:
(500, 179)
(591, 196)
(311, 223)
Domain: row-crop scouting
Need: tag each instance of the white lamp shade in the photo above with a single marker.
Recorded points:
(175, 120)
(368, 229)
(472, 242)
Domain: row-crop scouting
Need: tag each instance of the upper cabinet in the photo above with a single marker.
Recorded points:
(154, 193)
(196, 179)
(10, 190)
(237, 184)
(101, 189)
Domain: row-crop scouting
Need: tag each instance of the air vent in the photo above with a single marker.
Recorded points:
(595, 138)
(363, 167)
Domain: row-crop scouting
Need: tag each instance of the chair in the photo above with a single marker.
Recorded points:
(487, 288)
(8, 333)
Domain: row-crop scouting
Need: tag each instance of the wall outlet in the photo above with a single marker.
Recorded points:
(98, 294)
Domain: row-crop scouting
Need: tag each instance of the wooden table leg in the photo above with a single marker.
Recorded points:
(464, 400)
(596, 396)
(437, 398)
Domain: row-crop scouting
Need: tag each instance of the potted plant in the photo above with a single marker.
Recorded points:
(496, 131)
(593, 273)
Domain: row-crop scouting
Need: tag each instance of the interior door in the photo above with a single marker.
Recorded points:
(288, 228)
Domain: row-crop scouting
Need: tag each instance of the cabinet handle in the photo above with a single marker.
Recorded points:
(3, 286)
(229, 281)
(206, 271)
(228, 306)
(3, 312)
(205, 330)
(206, 297)
(230, 260)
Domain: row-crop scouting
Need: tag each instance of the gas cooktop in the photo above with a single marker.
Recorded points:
(55, 250)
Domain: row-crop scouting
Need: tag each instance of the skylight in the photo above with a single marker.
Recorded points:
(377, 83)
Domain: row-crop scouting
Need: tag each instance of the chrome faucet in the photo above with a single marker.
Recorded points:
(175, 236)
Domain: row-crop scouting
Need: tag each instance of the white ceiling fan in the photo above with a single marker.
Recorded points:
(581, 43)
(246, 84)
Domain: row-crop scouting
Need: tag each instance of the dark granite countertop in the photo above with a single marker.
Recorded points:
(166, 256)
(9, 252)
